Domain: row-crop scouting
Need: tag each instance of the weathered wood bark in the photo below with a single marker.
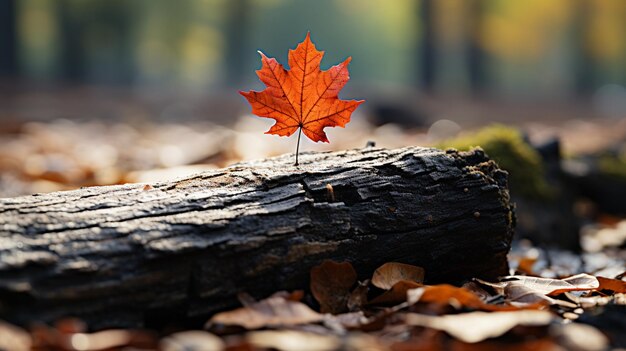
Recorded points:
(123, 255)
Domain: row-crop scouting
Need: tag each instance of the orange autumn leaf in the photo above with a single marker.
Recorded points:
(397, 293)
(615, 285)
(303, 98)
(448, 294)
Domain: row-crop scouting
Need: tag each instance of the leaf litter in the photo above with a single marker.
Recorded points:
(391, 309)
(394, 309)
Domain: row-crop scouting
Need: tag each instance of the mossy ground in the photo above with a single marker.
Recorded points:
(508, 148)
(613, 165)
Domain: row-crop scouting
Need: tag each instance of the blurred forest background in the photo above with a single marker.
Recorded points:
(518, 49)
(148, 84)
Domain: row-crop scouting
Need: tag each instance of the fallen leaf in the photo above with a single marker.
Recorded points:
(193, 340)
(526, 265)
(387, 275)
(580, 337)
(304, 98)
(478, 326)
(273, 311)
(331, 283)
(358, 296)
(288, 340)
(363, 342)
(397, 294)
(445, 294)
(615, 285)
(108, 339)
(579, 282)
(351, 320)
(451, 295)
(521, 294)
(13, 338)
(524, 289)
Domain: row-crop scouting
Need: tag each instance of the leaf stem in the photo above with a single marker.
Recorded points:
(298, 145)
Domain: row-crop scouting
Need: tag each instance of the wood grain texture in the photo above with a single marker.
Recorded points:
(123, 255)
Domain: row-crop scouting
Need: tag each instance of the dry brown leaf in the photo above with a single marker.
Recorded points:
(397, 294)
(521, 294)
(615, 285)
(331, 283)
(478, 326)
(387, 275)
(451, 295)
(547, 286)
(578, 282)
(288, 340)
(193, 340)
(524, 289)
(358, 296)
(273, 311)
(13, 338)
(445, 294)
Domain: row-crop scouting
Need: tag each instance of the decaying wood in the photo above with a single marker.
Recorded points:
(130, 254)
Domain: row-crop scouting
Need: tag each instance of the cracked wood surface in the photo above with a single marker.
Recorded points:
(129, 255)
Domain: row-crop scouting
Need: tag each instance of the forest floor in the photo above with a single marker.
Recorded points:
(553, 300)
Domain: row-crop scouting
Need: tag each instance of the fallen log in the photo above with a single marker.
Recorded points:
(134, 254)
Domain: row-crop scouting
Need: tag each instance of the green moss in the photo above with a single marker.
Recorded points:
(613, 165)
(507, 147)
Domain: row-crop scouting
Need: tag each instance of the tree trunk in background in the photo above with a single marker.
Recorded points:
(583, 62)
(476, 56)
(8, 38)
(71, 40)
(427, 48)
(237, 29)
(129, 255)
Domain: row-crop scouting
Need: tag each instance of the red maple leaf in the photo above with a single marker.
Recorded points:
(303, 98)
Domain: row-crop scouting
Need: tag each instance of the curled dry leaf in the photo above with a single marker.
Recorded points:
(445, 294)
(478, 326)
(520, 294)
(358, 296)
(288, 340)
(193, 340)
(533, 290)
(397, 294)
(331, 283)
(273, 311)
(387, 275)
(13, 338)
(549, 286)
